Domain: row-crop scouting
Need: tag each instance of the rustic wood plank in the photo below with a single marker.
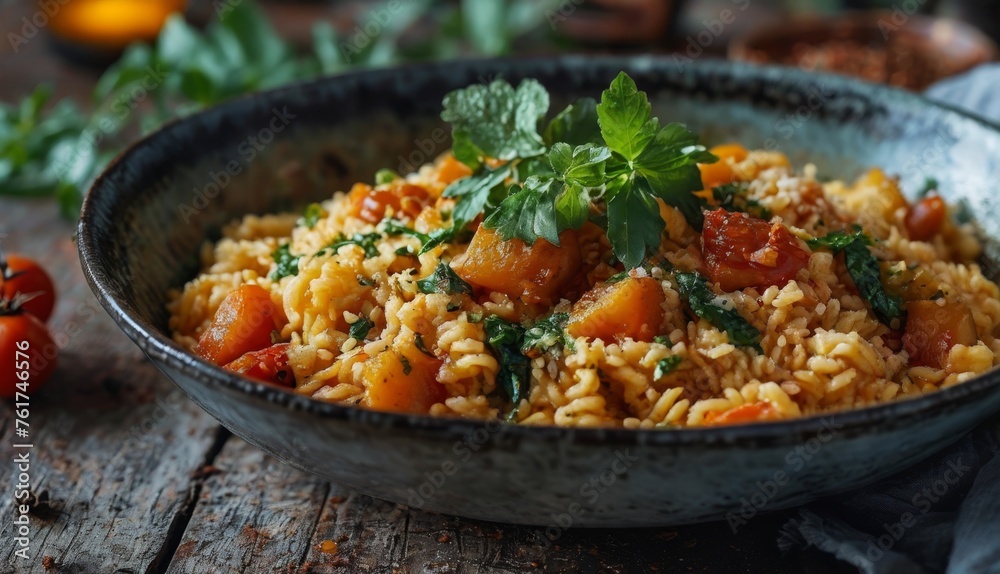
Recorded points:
(254, 514)
(115, 443)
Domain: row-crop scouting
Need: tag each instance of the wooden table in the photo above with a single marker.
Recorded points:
(129, 476)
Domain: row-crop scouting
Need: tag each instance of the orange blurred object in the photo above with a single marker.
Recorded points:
(112, 24)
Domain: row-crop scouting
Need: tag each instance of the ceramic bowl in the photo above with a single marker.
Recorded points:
(147, 216)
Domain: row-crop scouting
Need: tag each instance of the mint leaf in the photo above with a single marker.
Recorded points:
(576, 125)
(498, 119)
(634, 223)
(625, 118)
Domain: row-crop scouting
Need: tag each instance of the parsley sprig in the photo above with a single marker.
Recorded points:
(607, 163)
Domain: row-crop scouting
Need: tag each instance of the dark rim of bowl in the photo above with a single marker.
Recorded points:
(161, 348)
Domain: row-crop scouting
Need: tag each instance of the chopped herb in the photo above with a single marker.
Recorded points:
(702, 301)
(548, 333)
(384, 176)
(864, 270)
(663, 340)
(312, 214)
(475, 316)
(407, 368)
(666, 365)
(505, 340)
(733, 197)
(359, 329)
(444, 280)
(287, 264)
(366, 241)
(418, 340)
(365, 282)
(963, 212)
(453, 306)
(405, 251)
(394, 228)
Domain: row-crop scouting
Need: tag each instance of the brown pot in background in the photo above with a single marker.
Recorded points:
(908, 51)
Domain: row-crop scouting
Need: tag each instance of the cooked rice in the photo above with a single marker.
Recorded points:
(822, 348)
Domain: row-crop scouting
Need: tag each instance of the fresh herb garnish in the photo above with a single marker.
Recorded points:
(733, 197)
(864, 269)
(311, 216)
(405, 251)
(368, 242)
(506, 340)
(701, 299)
(607, 163)
(548, 333)
(407, 368)
(359, 329)
(385, 176)
(287, 264)
(663, 340)
(475, 316)
(365, 282)
(418, 340)
(444, 280)
(930, 184)
(666, 365)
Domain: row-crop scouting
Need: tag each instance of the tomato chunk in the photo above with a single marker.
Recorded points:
(371, 204)
(536, 273)
(243, 323)
(269, 365)
(720, 172)
(742, 251)
(925, 218)
(402, 380)
(746, 413)
(630, 308)
(932, 330)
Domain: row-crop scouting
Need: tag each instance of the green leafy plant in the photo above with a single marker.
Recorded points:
(863, 267)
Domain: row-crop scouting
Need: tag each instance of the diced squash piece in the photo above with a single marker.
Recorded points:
(402, 379)
(925, 218)
(875, 193)
(535, 274)
(742, 251)
(404, 199)
(450, 169)
(933, 329)
(269, 365)
(630, 308)
(746, 413)
(243, 323)
(721, 172)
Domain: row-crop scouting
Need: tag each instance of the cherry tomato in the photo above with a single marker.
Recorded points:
(269, 365)
(22, 276)
(925, 218)
(243, 323)
(742, 251)
(28, 353)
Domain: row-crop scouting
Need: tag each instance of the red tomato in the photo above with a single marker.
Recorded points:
(22, 276)
(742, 251)
(28, 354)
(932, 330)
(243, 323)
(269, 365)
(925, 218)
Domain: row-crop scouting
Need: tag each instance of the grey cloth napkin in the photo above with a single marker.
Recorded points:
(944, 514)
